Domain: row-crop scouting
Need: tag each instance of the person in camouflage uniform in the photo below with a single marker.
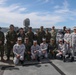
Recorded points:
(1, 44)
(52, 48)
(53, 33)
(47, 36)
(11, 38)
(28, 48)
(64, 30)
(30, 35)
(41, 34)
(36, 37)
(21, 34)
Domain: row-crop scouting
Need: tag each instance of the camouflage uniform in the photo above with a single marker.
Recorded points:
(64, 30)
(53, 34)
(22, 36)
(41, 34)
(2, 44)
(35, 36)
(11, 36)
(52, 49)
(48, 37)
(28, 50)
(30, 35)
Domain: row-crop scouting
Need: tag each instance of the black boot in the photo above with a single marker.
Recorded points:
(43, 57)
(69, 55)
(61, 57)
(64, 60)
(54, 55)
(38, 59)
(72, 59)
(22, 62)
(8, 58)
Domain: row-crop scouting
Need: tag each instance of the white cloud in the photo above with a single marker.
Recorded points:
(65, 4)
(43, 1)
(65, 11)
(13, 7)
(7, 16)
(22, 9)
(12, 14)
(2, 1)
(57, 7)
(62, 9)
(46, 1)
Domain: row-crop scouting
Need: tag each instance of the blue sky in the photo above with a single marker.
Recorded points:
(45, 13)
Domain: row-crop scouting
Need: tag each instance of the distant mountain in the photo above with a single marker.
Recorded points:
(4, 29)
(16, 28)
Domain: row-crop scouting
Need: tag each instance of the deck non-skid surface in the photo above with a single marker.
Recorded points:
(30, 68)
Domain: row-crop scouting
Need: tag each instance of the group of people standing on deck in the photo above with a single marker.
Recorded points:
(39, 44)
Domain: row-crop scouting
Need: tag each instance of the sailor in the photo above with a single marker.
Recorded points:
(35, 51)
(61, 49)
(67, 35)
(59, 36)
(73, 43)
(44, 47)
(18, 50)
(67, 38)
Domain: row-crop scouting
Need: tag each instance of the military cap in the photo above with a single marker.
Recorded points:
(67, 28)
(30, 27)
(35, 33)
(51, 39)
(60, 39)
(41, 27)
(34, 41)
(53, 26)
(21, 29)
(19, 38)
(74, 27)
(26, 38)
(59, 30)
(11, 25)
(43, 39)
